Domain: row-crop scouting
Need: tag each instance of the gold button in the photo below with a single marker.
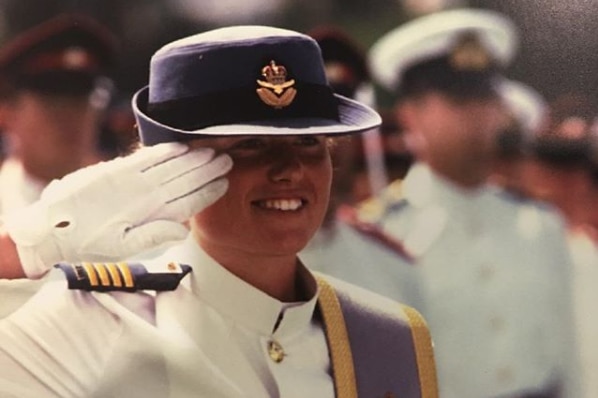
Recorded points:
(275, 351)
(486, 272)
(497, 323)
(172, 267)
(504, 374)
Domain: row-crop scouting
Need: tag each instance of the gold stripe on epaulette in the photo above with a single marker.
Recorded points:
(337, 337)
(126, 273)
(91, 274)
(102, 273)
(114, 274)
(424, 353)
(394, 191)
(372, 210)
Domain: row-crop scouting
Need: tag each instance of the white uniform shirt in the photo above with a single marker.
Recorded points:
(17, 189)
(494, 277)
(208, 338)
(585, 260)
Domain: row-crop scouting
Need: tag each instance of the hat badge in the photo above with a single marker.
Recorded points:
(75, 58)
(276, 91)
(470, 54)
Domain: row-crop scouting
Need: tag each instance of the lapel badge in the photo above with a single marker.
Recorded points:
(276, 91)
(470, 54)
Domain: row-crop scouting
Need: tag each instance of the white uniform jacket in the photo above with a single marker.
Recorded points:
(17, 189)
(213, 336)
(494, 275)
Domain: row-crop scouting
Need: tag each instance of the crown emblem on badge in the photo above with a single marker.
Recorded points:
(470, 54)
(276, 91)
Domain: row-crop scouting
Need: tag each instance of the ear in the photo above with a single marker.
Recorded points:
(405, 114)
(6, 113)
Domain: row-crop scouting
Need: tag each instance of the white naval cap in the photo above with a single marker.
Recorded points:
(435, 36)
(527, 105)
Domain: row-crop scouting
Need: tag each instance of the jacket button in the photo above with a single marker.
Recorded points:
(275, 351)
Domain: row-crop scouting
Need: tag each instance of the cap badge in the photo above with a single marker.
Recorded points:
(75, 58)
(470, 54)
(276, 91)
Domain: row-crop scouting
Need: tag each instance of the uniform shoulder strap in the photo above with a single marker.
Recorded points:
(349, 215)
(122, 276)
(388, 343)
(374, 209)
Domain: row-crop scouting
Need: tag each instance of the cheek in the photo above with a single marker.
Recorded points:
(218, 222)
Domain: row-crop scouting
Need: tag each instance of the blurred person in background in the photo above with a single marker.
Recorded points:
(344, 247)
(348, 75)
(493, 271)
(562, 170)
(527, 114)
(53, 92)
(562, 162)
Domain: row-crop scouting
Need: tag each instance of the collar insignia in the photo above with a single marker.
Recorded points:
(469, 54)
(276, 91)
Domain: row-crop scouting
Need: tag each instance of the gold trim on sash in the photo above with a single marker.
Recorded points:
(337, 337)
(424, 354)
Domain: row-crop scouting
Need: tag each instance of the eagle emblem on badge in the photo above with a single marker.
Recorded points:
(470, 54)
(276, 91)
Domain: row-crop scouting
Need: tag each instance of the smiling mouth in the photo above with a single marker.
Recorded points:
(280, 204)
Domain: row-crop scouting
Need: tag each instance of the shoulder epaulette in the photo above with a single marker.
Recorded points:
(123, 276)
(349, 215)
(372, 210)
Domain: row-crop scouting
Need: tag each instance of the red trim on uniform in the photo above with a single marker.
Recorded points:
(348, 215)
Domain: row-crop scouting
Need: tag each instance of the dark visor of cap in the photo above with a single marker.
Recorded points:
(438, 75)
(242, 106)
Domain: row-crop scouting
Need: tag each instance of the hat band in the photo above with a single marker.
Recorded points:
(243, 105)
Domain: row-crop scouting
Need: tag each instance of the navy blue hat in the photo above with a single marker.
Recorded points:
(243, 80)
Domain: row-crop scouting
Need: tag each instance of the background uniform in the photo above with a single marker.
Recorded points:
(494, 276)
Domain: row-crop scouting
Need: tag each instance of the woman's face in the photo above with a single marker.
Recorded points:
(278, 193)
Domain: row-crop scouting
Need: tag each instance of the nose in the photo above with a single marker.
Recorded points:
(286, 166)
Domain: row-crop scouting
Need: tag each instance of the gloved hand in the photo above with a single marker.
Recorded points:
(117, 208)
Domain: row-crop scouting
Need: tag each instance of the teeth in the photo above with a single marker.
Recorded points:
(282, 204)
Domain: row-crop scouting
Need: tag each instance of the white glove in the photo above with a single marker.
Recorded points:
(115, 209)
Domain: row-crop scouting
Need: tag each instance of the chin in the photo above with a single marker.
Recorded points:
(287, 245)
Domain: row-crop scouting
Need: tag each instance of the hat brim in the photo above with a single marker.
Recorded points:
(433, 35)
(354, 117)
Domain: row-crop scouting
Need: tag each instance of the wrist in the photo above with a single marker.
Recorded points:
(32, 236)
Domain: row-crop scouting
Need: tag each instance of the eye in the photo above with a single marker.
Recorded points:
(309, 140)
(253, 143)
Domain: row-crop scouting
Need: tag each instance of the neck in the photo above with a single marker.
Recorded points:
(275, 275)
(464, 176)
